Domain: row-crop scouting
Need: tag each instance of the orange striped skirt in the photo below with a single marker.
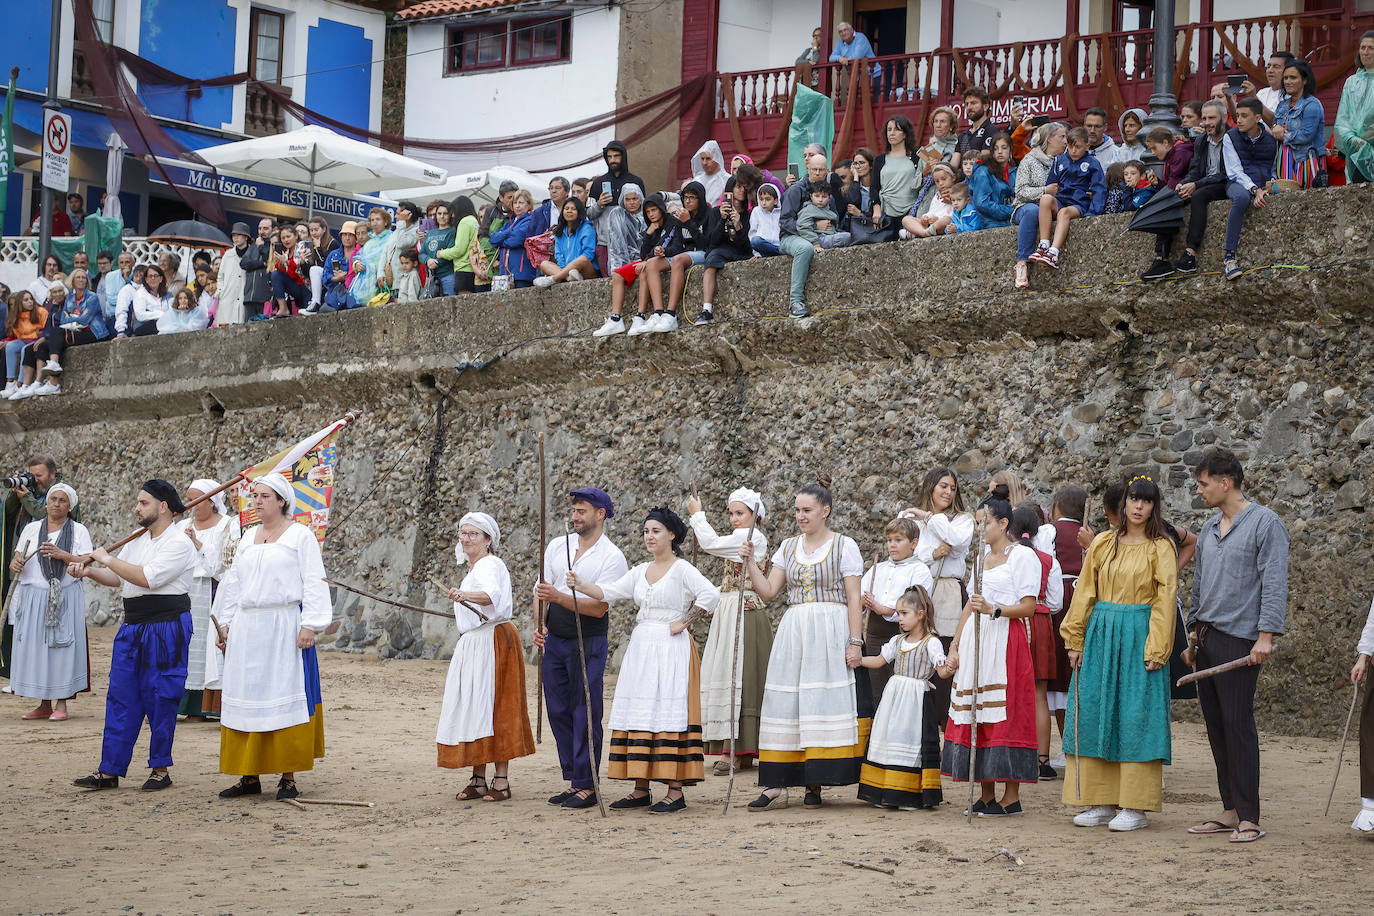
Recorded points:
(664, 756)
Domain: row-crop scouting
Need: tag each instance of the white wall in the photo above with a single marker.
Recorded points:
(521, 100)
(764, 34)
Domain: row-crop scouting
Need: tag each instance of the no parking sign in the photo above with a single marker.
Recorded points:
(57, 160)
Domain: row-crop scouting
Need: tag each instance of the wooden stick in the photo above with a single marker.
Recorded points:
(390, 601)
(977, 640)
(872, 585)
(293, 803)
(539, 609)
(1341, 756)
(693, 530)
(336, 801)
(735, 650)
(1077, 705)
(467, 604)
(14, 586)
(877, 868)
(586, 687)
(1242, 662)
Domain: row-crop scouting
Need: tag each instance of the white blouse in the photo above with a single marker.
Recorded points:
(168, 562)
(28, 544)
(1366, 646)
(1013, 580)
(489, 576)
(957, 533)
(727, 545)
(210, 557)
(851, 560)
(888, 581)
(285, 572)
(668, 599)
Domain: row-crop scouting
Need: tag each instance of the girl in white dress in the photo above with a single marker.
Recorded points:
(270, 606)
(484, 719)
(815, 718)
(722, 663)
(902, 768)
(656, 712)
(207, 528)
(50, 662)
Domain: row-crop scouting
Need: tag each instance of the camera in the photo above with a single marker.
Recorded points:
(21, 479)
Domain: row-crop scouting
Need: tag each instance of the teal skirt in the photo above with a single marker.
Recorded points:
(1124, 716)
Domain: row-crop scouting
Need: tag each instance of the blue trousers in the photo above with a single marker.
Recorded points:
(567, 706)
(147, 677)
(1027, 220)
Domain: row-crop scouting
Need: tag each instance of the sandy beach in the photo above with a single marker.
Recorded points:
(419, 850)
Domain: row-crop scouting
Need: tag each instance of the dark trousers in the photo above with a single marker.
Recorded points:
(149, 328)
(147, 677)
(59, 339)
(566, 702)
(1228, 709)
(283, 287)
(1367, 739)
(1197, 216)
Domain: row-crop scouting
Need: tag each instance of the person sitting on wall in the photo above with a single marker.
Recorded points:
(574, 246)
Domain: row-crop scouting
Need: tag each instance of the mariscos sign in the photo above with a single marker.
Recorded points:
(349, 205)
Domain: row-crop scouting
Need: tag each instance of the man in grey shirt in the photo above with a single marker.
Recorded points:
(1240, 600)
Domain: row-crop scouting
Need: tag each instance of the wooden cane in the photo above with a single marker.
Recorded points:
(872, 584)
(977, 639)
(586, 686)
(694, 531)
(734, 659)
(14, 585)
(1077, 705)
(1242, 662)
(539, 610)
(1341, 756)
(344, 802)
(444, 590)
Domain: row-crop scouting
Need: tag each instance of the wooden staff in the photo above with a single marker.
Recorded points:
(734, 659)
(1077, 706)
(586, 687)
(977, 639)
(538, 604)
(693, 530)
(1242, 662)
(401, 604)
(349, 803)
(872, 584)
(1341, 756)
(467, 604)
(14, 586)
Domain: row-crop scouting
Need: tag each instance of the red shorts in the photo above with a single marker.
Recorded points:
(629, 271)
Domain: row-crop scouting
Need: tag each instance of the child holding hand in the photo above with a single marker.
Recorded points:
(902, 768)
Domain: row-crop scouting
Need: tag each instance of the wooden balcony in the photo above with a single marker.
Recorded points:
(1060, 77)
(263, 116)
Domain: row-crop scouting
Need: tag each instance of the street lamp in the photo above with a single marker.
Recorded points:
(1163, 102)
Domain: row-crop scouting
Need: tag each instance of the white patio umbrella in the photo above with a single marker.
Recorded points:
(318, 157)
(480, 186)
(114, 175)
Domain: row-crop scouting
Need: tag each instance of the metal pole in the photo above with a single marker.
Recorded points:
(46, 212)
(1163, 103)
(310, 204)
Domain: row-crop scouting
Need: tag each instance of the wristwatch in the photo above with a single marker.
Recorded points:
(996, 611)
(858, 643)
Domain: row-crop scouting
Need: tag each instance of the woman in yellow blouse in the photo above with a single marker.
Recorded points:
(1119, 632)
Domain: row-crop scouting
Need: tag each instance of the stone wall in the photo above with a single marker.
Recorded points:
(919, 354)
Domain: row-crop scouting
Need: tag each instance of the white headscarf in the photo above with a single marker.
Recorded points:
(483, 523)
(280, 486)
(71, 494)
(749, 499)
(206, 485)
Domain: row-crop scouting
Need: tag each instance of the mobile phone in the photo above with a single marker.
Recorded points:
(792, 169)
(1039, 120)
(605, 187)
(1234, 84)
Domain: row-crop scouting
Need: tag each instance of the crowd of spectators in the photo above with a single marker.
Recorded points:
(1033, 173)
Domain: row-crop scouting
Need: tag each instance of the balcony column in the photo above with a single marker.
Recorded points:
(1163, 103)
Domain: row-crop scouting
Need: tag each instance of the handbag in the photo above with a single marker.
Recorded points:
(539, 248)
(477, 260)
(382, 298)
(866, 232)
(431, 288)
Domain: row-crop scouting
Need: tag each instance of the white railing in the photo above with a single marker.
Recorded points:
(24, 250)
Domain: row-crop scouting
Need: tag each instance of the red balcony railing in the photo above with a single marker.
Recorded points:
(1064, 77)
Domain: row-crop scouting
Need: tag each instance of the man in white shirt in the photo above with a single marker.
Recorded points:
(148, 661)
(597, 561)
(112, 284)
(124, 301)
(1270, 95)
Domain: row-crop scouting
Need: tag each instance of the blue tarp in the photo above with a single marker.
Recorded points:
(90, 130)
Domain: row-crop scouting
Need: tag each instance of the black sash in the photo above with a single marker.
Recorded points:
(155, 608)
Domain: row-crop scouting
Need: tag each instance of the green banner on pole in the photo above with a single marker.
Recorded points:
(7, 146)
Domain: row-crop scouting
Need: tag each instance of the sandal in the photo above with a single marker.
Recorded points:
(1212, 826)
(247, 785)
(472, 791)
(286, 788)
(495, 794)
(1239, 835)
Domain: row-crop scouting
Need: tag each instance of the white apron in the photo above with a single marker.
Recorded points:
(470, 688)
(264, 677)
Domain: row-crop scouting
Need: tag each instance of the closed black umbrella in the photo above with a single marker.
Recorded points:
(1161, 212)
(190, 232)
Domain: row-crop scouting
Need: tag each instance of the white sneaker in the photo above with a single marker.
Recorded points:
(1128, 819)
(27, 391)
(641, 325)
(904, 235)
(48, 388)
(7, 689)
(1059, 762)
(1364, 821)
(10, 389)
(1095, 817)
(574, 274)
(612, 326)
(662, 324)
(543, 281)
(53, 366)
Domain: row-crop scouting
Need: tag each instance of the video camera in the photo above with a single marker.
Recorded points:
(23, 479)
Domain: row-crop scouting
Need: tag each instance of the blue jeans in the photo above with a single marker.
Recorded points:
(1026, 218)
(764, 247)
(283, 287)
(801, 253)
(14, 349)
(566, 702)
(446, 283)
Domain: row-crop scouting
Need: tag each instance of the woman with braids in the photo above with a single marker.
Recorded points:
(656, 712)
(816, 715)
(946, 533)
(1005, 713)
(1119, 631)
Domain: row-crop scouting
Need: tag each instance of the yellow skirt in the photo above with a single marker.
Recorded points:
(286, 750)
(1109, 782)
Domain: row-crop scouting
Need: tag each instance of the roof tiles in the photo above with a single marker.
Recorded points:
(429, 9)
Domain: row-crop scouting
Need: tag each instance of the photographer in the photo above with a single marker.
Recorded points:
(27, 501)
